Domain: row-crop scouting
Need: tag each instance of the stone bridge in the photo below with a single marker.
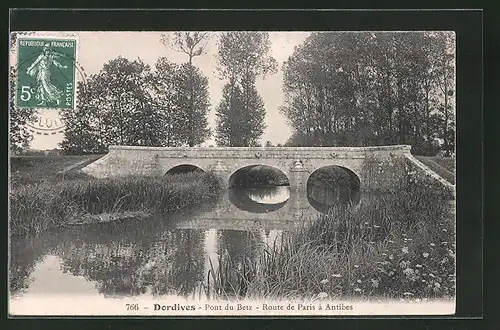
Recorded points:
(372, 168)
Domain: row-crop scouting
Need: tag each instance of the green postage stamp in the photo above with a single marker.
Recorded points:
(46, 73)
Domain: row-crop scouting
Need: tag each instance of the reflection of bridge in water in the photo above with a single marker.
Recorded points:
(237, 211)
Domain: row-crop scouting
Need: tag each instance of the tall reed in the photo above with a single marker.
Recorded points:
(37, 207)
(396, 246)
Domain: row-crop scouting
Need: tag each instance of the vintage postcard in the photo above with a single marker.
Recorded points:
(205, 173)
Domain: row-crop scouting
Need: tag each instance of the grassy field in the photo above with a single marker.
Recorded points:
(36, 169)
(42, 198)
(445, 167)
(389, 247)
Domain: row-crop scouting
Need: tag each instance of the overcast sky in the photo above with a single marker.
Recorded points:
(97, 48)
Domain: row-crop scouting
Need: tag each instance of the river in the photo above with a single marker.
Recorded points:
(163, 256)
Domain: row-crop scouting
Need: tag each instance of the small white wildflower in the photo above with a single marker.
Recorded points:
(356, 266)
(391, 257)
(418, 266)
(376, 226)
(404, 249)
(375, 283)
(322, 295)
(325, 281)
(425, 254)
(408, 271)
(337, 275)
(445, 230)
(357, 289)
(432, 244)
(359, 281)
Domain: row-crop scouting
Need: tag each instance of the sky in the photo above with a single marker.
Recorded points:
(97, 48)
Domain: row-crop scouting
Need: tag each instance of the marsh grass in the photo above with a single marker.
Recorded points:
(399, 246)
(36, 207)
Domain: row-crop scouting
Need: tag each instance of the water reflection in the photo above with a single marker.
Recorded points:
(164, 256)
(259, 200)
(323, 196)
(332, 185)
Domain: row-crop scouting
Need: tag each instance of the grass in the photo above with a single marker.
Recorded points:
(397, 246)
(41, 202)
(445, 167)
(37, 169)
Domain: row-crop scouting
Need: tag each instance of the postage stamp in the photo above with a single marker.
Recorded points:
(46, 73)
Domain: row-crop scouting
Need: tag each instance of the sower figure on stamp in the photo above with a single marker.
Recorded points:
(46, 92)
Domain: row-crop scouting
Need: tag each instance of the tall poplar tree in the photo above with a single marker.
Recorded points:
(242, 57)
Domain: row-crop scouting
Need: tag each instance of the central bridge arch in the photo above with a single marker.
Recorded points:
(261, 174)
(184, 168)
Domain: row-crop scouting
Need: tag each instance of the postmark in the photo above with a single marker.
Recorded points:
(47, 122)
(46, 73)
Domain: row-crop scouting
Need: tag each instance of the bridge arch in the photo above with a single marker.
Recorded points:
(332, 185)
(269, 173)
(184, 168)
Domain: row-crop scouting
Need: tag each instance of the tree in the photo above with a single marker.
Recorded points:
(165, 93)
(244, 53)
(190, 43)
(193, 94)
(115, 108)
(227, 117)
(84, 130)
(242, 57)
(354, 89)
(194, 85)
(446, 79)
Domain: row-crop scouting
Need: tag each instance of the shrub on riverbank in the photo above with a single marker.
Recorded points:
(396, 246)
(37, 207)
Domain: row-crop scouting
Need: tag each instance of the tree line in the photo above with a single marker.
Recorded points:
(340, 89)
(359, 89)
(129, 103)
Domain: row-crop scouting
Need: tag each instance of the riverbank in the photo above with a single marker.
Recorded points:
(400, 246)
(41, 202)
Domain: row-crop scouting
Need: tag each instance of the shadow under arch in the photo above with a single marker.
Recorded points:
(184, 168)
(333, 185)
(258, 175)
(241, 199)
